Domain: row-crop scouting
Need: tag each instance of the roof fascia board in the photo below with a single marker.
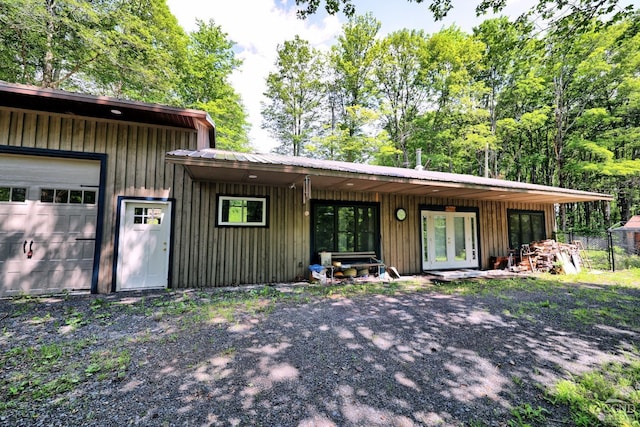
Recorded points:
(573, 195)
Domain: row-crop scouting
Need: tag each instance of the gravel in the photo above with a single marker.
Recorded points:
(423, 357)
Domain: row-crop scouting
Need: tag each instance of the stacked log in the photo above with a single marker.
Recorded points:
(550, 256)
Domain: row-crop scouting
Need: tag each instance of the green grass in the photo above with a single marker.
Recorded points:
(609, 396)
(47, 371)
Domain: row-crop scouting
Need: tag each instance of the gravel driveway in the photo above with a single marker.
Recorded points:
(287, 358)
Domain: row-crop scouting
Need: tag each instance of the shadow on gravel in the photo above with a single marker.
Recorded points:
(413, 359)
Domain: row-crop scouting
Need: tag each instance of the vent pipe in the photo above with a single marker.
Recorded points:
(419, 159)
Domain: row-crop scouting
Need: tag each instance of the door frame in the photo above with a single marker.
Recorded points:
(101, 158)
(121, 208)
(450, 209)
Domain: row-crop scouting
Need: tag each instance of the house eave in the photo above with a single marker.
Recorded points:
(32, 98)
(272, 170)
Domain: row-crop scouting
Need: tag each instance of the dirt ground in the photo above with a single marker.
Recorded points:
(285, 357)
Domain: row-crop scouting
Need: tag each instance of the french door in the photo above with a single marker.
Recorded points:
(449, 240)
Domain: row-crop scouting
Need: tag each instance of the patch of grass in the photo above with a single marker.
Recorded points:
(47, 371)
(629, 278)
(495, 287)
(74, 319)
(524, 414)
(609, 396)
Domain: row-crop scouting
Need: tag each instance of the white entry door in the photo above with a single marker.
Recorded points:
(48, 221)
(143, 245)
(449, 240)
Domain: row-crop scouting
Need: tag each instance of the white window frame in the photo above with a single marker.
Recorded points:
(265, 208)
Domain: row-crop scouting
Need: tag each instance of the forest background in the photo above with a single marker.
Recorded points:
(550, 98)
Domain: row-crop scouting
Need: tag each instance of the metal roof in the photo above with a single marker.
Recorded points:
(632, 225)
(273, 169)
(103, 107)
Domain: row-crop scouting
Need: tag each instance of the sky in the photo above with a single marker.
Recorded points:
(258, 26)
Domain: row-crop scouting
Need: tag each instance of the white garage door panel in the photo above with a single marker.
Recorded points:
(60, 235)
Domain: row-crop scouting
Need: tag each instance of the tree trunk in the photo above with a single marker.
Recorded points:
(47, 69)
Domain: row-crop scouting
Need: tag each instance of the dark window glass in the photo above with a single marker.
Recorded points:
(5, 194)
(89, 198)
(525, 227)
(62, 196)
(254, 211)
(19, 194)
(345, 228)
(46, 195)
(323, 228)
(75, 196)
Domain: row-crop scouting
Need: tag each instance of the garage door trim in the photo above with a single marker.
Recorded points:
(102, 158)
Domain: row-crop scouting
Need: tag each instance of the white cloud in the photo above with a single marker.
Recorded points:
(257, 27)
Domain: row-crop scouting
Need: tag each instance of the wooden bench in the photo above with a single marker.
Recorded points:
(357, 260)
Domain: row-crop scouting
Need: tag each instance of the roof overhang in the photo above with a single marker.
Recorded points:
(34, 98)
(274, 170)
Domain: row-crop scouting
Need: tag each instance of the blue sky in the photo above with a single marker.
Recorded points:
(259, 26)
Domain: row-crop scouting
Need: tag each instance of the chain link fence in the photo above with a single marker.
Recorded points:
(616, 249)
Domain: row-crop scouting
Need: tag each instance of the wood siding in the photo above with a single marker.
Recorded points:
(205, 255)
(135, 167)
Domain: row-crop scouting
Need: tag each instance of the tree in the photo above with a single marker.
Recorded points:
(401, 86)
(295, 92)
(452, 61)
(127, 49)
(204, 84)
(352, 61)
(501, 39)
(113, 47)
(440, 8)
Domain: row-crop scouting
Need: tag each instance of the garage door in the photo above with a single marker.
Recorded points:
(48, 217)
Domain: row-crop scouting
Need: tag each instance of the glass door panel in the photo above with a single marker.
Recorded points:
(425, 241)
(460, 249)
(440, 234)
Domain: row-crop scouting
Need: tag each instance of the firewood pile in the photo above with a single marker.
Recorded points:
(551, 256)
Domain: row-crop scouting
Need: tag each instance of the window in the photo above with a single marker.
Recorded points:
(242, 211)
(13, 194)
(151, 216)
(85, 197)
(345, 227)
(525, 227)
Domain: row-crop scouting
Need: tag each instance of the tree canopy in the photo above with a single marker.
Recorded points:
(503, 101)
(127, 49)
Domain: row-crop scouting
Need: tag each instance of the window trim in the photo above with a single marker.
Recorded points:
(264, 223)
(525, 212)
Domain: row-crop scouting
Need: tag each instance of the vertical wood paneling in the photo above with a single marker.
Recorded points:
(5, 126)
(206, 255)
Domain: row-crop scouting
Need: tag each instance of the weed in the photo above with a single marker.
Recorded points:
(609, 396)
(74, 319)
(526, 413)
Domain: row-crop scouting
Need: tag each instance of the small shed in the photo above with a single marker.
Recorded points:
(627, 237)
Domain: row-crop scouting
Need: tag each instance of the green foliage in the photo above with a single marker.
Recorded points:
(295, 91)
(609, 396)
(525, 413)
(204, 85)
(127, 49)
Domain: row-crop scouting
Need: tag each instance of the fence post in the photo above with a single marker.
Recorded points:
(612, 261)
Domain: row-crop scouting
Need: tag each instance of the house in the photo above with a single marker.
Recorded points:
(108, 195)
